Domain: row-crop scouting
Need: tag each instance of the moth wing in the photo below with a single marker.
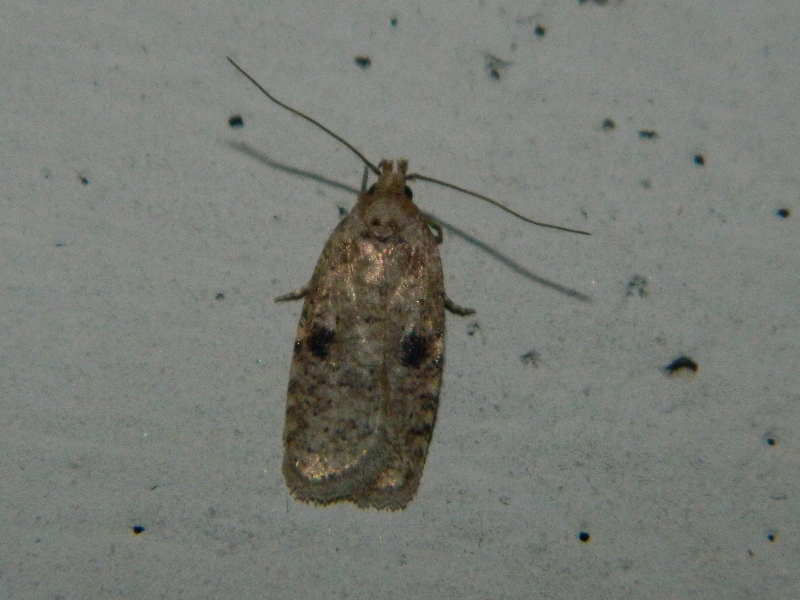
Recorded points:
(366, 370)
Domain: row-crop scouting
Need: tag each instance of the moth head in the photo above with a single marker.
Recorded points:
(386, 208)
(391, 181)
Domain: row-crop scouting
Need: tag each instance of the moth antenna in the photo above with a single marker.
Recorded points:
(335, 136)
(409, 177)
(452, 186)
(364, 179)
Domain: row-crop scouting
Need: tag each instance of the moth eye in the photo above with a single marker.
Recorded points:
(409, 194)
(371, 189)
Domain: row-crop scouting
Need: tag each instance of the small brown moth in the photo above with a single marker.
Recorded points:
(368, 357)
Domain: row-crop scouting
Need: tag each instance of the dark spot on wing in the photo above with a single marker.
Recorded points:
(319, 342)
(414, 350)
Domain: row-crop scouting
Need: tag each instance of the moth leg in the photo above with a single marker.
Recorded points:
(456, 309)
(439, 236)
(295, 295)
(448, 304)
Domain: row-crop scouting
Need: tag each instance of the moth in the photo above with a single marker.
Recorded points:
(368, 358)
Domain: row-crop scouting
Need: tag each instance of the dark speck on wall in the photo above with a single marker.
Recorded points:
(495, 66)
(682, 363)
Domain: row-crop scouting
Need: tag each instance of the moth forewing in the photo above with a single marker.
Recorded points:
(368, 358)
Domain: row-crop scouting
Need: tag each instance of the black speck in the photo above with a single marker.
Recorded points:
(60, 244)
(648, 134)
(783, 213)
(319, 342)
(539, 31)
(473, 328)
(772, 536)
(584, 537)
(682, 362)
(699, 160)
(220, 296)
(495, 65)
(393, 22)
(83, 180)
(409, 194)
(236, 121)
(414, 349)
(342, 211)
(637, 286)
(137, 529)
(608, 124)
(770, 441)
(531, 358)
(371, 189)
(363, 61)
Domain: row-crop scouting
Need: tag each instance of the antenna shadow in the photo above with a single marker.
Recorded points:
(501, 258)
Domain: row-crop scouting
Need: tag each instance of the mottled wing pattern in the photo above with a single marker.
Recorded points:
(368, 358)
